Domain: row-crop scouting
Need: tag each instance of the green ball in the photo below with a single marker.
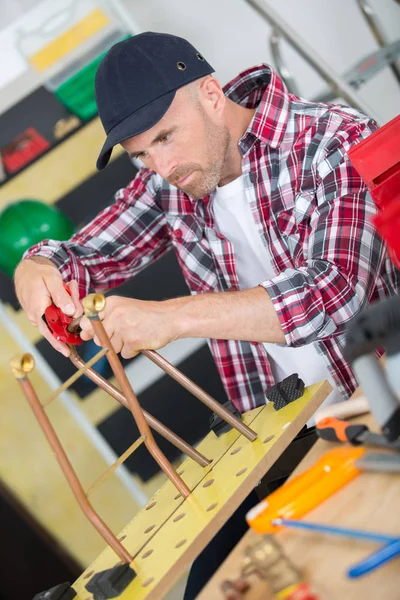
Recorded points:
(25, 223)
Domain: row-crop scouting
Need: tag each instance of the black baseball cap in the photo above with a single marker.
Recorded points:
(136, 82)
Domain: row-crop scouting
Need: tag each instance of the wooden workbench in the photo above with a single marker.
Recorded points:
(369, 502)
(168, 534)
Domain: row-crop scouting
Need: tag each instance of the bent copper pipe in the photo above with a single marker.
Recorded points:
(200, 394)
(94, 304)
(69, 472)
(154, 423)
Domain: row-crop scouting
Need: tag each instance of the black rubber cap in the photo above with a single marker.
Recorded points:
(110, 583)
(218, 425)
(286, 391)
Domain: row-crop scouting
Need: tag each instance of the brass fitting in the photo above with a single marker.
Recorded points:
(266, 559)
(93, 304)
(22, 364)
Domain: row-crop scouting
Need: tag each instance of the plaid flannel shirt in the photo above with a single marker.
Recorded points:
(310, 207)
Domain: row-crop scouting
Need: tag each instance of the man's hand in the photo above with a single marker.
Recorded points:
(38, 284)
(133, 325)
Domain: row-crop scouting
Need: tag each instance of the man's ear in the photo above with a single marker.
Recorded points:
(211, 95)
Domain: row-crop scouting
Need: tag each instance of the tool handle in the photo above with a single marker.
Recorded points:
(336, 430)
(297, 497)
(375, 560)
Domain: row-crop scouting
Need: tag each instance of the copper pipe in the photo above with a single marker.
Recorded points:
(201, 394)
(154, 423)
(93, 304)
(67, 468)
(74, 325)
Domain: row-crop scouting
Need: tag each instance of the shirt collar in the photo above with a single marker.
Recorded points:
(260, 87)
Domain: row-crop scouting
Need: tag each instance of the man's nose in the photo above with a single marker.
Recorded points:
(164, 165)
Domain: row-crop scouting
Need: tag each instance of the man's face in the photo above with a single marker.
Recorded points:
(188, 146)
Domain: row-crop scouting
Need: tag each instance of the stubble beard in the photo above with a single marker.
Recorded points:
(206, 179)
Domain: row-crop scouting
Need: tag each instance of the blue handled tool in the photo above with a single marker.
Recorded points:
(343, 531)
(390, 550)
(375, 560)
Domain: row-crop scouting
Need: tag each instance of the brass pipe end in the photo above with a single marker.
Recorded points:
(22, 364)
(93, 304)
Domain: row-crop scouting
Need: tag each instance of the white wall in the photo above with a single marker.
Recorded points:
(10, 10)
(232, 37)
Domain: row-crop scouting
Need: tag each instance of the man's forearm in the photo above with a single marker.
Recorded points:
(244, 315)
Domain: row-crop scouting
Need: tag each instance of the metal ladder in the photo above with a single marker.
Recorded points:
(345, 85)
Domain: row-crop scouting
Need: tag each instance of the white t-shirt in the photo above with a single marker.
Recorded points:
(235, 222)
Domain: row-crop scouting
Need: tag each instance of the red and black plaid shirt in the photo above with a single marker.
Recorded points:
(311, 209)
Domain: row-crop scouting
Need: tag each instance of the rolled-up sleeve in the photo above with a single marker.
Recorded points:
(343, 257)
(118, 243)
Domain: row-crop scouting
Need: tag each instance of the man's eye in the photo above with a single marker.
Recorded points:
(165, 137)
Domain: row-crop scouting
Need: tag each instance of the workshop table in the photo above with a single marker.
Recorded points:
(369, 502)
(169, 532)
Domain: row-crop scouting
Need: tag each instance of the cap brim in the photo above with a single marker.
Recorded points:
(140, 121)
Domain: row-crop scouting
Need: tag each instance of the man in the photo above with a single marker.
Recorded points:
(252, 188)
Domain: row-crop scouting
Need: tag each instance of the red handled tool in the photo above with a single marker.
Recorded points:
(336, 430)
(64, 328)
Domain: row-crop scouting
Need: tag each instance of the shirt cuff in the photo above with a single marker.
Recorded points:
(301, 313)
(66, 262)
(48, 249)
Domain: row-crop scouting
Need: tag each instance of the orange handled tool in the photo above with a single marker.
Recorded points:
(306, 491)
(336, 430)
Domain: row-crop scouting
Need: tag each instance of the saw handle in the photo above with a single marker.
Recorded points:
(336, 430)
